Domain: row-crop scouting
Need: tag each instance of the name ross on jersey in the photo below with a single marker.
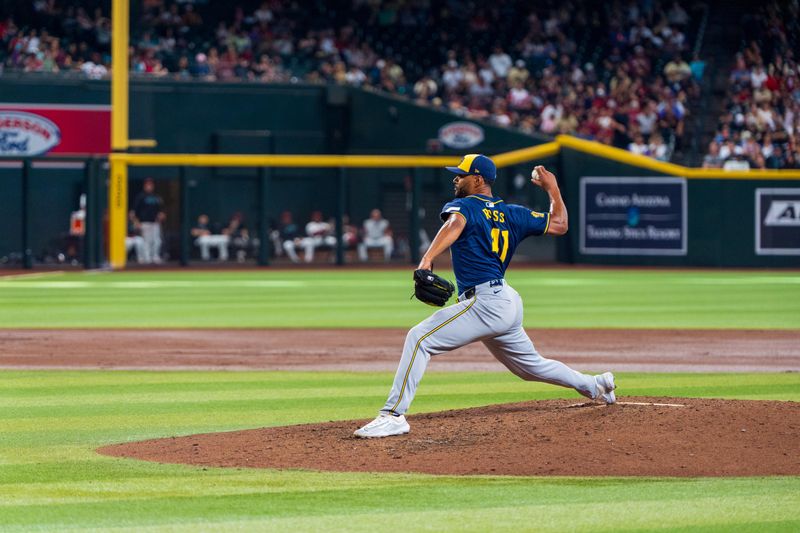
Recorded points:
(494, 214)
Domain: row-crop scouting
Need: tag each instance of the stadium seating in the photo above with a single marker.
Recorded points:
(759, 126)
(613, 72)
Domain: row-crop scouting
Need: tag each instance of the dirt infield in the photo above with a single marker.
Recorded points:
(379, 350)
(701, 438)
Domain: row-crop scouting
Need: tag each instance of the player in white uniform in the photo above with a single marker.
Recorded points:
(376, 235)
(482, 233)
(319, 233)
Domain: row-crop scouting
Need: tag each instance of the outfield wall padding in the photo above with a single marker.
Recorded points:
(721, 217)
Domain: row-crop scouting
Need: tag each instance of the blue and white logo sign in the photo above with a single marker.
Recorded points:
(461, 135)
(633, 216)
(26, 134)
(778, 221)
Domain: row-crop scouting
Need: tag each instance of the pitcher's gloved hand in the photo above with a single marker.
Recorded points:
(431, 288)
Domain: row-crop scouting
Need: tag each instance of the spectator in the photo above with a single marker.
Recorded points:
(677, 70)
(377, 234)
(648, 118)
(657, 148)
(698, 67)
(452, 76)
(148, 215)
(500, 62)
(758, 76)
(713, 159)
(206, 238)
(775, 159)
(639, 146)
(518, 73)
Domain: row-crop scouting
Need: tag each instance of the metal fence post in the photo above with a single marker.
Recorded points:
(413, 237)
(27, 253)
(341, 198)
(263, 219)
(89, 227)
(185, 225)
(100, 212)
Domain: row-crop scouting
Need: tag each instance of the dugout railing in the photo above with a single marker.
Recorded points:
(266, 164)
(564, 153)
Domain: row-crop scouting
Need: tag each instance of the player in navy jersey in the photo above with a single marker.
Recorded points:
(484, 249)
(482, 232)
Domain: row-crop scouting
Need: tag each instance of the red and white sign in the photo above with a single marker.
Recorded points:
(461, 135)
(38, 129)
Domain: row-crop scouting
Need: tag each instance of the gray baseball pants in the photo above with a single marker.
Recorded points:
(151, 233)
(493, 315)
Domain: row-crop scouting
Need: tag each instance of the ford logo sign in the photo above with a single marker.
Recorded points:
(461, 135)
(26, 134)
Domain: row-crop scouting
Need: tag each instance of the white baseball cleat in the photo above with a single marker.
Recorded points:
(605, 387)
(385, 425)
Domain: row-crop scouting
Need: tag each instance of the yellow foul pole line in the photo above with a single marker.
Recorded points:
(118, 183)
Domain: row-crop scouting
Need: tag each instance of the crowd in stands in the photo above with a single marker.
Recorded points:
(616, 73)
(759, 128)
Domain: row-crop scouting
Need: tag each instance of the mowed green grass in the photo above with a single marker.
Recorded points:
(52, 421)
(51, 478)
(570, 298)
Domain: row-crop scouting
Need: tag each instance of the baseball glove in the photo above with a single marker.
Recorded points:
(432, 289)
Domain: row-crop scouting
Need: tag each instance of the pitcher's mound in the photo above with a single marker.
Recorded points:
(636, 437)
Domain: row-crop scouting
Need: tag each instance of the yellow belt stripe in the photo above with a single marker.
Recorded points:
(414, 355)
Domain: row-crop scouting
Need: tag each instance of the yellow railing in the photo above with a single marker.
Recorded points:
(296, 160)
(120, 161)
(326, 161)
(524, 155)
(505, 159)
(623, 156)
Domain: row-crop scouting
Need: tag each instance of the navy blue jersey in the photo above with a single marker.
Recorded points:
(494, 230)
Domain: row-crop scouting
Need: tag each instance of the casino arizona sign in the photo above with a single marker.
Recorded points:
(26, 134)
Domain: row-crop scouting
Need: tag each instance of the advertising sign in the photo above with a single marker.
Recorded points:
(633, 216)
(778, 221)
(38, 129)
(461, 135)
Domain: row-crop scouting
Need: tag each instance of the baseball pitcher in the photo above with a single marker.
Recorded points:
(482, 233)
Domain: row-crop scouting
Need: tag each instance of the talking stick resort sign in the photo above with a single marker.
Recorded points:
(633, 216)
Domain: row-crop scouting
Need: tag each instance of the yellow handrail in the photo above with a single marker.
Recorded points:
(526, 154)
(505, 159)
(293, 160)
(641, 161)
